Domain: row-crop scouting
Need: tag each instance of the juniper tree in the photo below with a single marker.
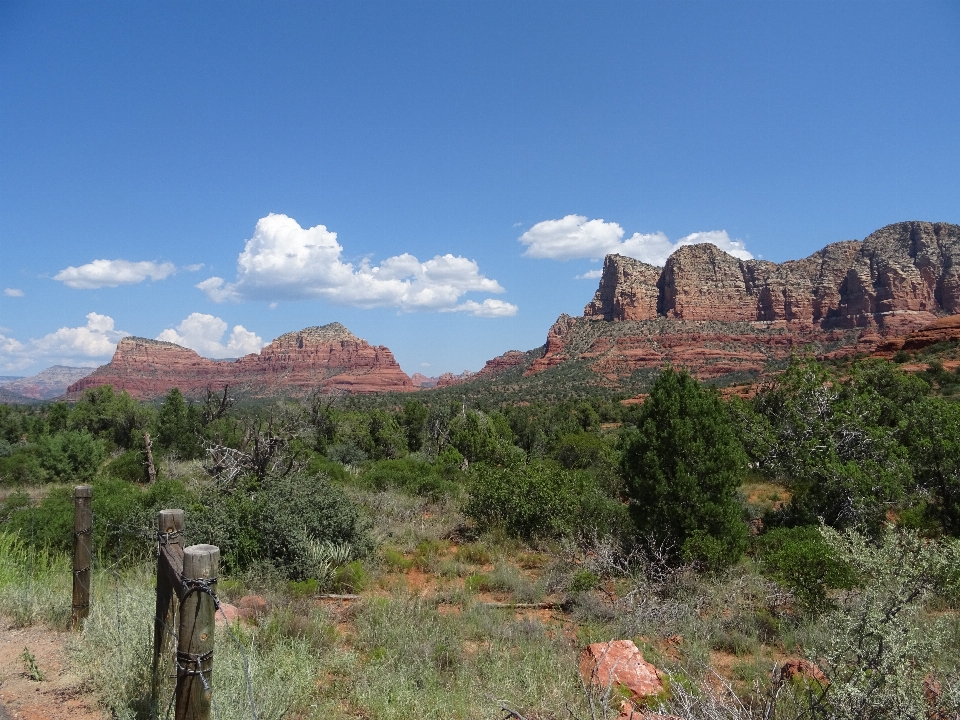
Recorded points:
(683, 467)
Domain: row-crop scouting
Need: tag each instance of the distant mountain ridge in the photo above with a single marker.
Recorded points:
(328, 357)
(47, 384)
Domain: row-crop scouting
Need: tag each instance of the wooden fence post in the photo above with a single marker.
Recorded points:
(195, 641)
(82, 553)
(170, 527)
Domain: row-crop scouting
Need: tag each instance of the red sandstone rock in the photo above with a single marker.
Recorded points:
(227, 613)
(252, 606)
(448, 378)
(628, 290)
(620, 663)
(556, 340)
(803, 668)
(296, 363)
(716, 315)
(943, 329)
(897, 280)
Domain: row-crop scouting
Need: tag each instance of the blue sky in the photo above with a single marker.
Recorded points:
(430, 138)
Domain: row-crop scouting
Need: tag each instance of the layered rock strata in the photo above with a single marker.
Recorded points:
(46, 384)
(720, 316)
(296, 363)
(493, 368)
(899, 278)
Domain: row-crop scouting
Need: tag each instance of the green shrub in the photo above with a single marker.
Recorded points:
(536, 500)
(416, 477)
(583, 581)
(280, 523)
(683, 467)
(351, 577)
(477, 582)
(130, 466)
(22, 467)
(473, 553)
(802, 561)
(70, 456)
(394, 560)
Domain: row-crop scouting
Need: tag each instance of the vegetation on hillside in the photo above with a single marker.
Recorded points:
(818, 519)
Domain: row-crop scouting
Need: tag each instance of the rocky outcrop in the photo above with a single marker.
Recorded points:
(424, 382)
(47, 384)
(553, 353)
(620, 664)
(899, 278)
(709, 349)
(493, 368)
(720, 316)
(294, 364)
(628, 290)
(945, 329)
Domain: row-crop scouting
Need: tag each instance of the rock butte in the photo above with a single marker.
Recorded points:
(329, 357)
(717, 315)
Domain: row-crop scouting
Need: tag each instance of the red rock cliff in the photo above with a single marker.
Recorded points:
(294, 364)
(898, 279)
(718, 315)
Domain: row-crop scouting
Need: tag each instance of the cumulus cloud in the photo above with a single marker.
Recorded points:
(589, 275)
(13, 292)
(68, 345)
(574, 236)
(111, 273)
(96, 339)
(283, 261)
(204, 333)
(488, 308)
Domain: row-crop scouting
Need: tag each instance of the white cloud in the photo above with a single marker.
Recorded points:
(589, 275)
(285, 261)
(87, 345)
(194, 267)
(204, 333)
(573, 236)
(96, 339)
(111, 273)
(13, 292)
(488, 308)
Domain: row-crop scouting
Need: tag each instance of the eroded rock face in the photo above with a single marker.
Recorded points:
(556, 341)
(628, 290)
(898, 279)
(294, 364)
(945, 329)
(717, 315)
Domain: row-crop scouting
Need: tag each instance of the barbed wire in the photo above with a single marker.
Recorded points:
(185, 664)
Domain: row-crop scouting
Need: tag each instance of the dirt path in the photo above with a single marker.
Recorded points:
(58, 696)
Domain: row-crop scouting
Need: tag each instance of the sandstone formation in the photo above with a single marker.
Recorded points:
(46, 384)
(448, 378)
(945, 329)
(720, 316)
(899, 278)
(422, 381)
(492, 368)
(295, 363)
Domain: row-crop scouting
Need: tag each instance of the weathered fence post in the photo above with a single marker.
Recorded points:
(170, 527)
(151, 468)
(82, 553)
(195, 641)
